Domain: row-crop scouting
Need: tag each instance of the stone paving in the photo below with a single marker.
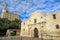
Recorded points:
(26, 38)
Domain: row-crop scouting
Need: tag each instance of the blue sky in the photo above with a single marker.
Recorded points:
(26, 7)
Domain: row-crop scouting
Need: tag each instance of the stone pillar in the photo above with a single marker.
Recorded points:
(8, 33)
(18, 33)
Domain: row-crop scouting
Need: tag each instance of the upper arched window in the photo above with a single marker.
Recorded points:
(35, 20)
(24, 23)
(54, 16)
(57, 26)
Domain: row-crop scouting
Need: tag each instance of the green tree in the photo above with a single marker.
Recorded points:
(17, 23)
(6, 24)
(12, 33)
(13, 25)
(3, 26)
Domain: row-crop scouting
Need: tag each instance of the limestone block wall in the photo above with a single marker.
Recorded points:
(45, 23)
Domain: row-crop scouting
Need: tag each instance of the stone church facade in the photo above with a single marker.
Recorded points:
(41, 23)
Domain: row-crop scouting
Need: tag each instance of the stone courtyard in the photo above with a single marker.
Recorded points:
(47, 37)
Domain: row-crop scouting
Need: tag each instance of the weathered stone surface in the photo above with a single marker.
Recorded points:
(45, 24)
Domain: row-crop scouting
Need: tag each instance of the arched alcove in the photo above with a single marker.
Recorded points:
(35, 32)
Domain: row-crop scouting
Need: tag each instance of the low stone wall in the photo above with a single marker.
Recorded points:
(28, 38)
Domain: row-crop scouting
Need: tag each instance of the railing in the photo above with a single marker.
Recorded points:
(30, 38)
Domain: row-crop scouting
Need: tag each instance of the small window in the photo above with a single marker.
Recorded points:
(57, 26)
(42, 26)
(43, 22)
(24, 23)
(54, 16)
(34, 20)
(30, 20)
(41, 17)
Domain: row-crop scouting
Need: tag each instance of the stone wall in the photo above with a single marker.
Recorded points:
(45, 23)
(30, 38)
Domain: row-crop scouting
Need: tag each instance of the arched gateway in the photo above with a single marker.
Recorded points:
(35, 32)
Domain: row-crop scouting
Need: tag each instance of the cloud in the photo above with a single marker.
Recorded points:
(26, 7)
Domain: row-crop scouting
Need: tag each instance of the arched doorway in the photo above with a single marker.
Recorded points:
(35, 32)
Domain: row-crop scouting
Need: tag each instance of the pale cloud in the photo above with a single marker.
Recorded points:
(29, 6)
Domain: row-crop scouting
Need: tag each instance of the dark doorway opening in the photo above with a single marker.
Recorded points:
(36, 32)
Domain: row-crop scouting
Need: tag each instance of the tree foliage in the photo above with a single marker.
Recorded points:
(7, 24)
(12, 33)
